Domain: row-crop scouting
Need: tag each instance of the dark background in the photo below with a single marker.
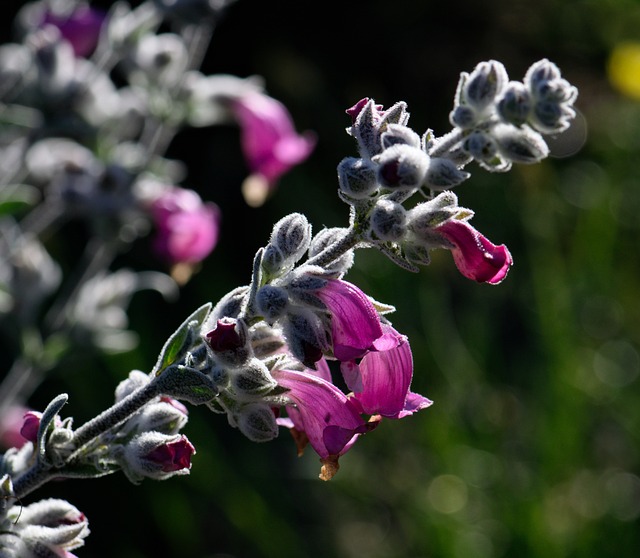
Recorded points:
(531, 448)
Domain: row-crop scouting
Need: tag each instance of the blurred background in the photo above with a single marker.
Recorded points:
(531, 448)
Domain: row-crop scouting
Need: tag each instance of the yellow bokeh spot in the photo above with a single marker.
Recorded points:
(624, 69)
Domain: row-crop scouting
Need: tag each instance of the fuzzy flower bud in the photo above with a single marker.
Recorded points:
(324, 239)
(272, 302)
(252, 381)
(520, 145)
(484, 84)
(157, 456)
(402, 166)
(229, 341)
(443, 174)
(292, 236)
(357, 178)
(515, 105)
(388, 220)
(257, 422)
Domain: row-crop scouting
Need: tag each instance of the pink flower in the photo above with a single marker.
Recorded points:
(187, 228)
(474, 255)
(11, 426)
(322, 415)
(381, 380)
(172, 456)
(81, 28)
(270, 143)
(355, 323)
(30, 426)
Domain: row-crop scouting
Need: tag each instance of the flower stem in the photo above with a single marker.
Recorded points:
(446, 143)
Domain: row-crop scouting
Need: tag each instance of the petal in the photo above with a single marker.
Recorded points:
(474, 255)
(355, 323)
(323, 412)
(386, 377)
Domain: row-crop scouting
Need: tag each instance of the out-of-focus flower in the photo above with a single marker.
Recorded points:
(187, 228)
(11, 426)
(355, 323)
(270, 143)
(381, 380)
(323, 416)
(81, 28)
(623, 69)
(475, 256)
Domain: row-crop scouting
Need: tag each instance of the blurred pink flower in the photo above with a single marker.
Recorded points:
(81, 28)
(270, 143)
(11, 427)
(474, 255)
(187, 228)
(355, 323)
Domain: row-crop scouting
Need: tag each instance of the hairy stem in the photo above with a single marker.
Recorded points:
(337, 249)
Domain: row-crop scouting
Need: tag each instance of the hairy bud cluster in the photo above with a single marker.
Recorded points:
(502, 121)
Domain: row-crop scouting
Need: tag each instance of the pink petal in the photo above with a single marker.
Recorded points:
(474, 255)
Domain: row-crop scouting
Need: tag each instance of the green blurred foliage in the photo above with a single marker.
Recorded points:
(531, 448)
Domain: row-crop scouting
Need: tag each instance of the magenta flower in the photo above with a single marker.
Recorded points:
(30, 426)
(270, 143)
(355, 323)
(172, 456)
(11, 424)
(187, 228)
(381, 380)
(323, 416)
(81, 28)
(474, 255)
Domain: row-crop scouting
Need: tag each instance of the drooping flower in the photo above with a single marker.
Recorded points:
(270, 143)
(187, 228)
(475, 256)
(322, 415)
(355, 323)
(381, 380)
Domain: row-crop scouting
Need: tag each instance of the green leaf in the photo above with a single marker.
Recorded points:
(181, 340)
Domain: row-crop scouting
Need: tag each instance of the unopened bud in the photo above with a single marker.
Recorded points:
(325, 238)
(272, 302)
(463, 116)
(480, 146)
(252, 381)
(483, 84)
(515, 105)
(273, 261)
(396, 134)
(356, 178)
(520, 145)
(402, 166)
(443, 174)
(257, 422)
(388, 220)
(229, 341)
(292, 236)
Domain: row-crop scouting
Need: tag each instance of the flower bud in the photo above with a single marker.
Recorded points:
(167, 416)
(357, 178)
(272, 302)
(30, 426)
(388, 220)
(396, 134)
(520, 145)
(273, 261)
(483, 84)
(480, 146)
(292, 236)
(463, 116)
(515, 105)
(443, 174)
(157, 456)
(305, 336)
(257, 422)
(402, 166)
(252, 381)
(229, 341)
(539, 73)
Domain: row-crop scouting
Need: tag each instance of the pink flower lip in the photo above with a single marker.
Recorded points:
(475, 256)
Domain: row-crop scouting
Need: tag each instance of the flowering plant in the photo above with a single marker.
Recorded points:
(299, 347)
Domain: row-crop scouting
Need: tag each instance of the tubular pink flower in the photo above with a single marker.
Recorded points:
(81, 28)
(187, 228)
(355, 323)
(330, 421)
(382, 379)
(172, 456)
(270, 142)
(474, 255)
